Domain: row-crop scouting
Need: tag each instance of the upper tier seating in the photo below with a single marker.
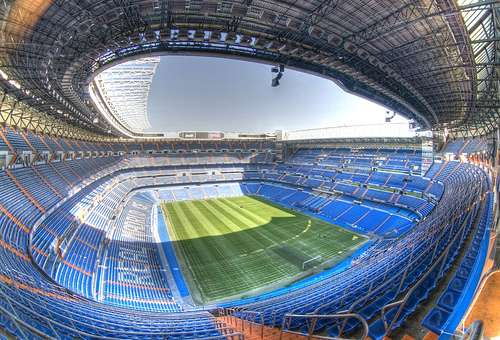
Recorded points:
(466, 146)
(20, 141)
(455, 146)
(390, 159)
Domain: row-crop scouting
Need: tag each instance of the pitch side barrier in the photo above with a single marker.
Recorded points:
(169, 252)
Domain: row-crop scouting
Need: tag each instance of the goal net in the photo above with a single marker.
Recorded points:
(311, 263)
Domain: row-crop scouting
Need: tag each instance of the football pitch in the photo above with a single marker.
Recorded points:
(230, 247)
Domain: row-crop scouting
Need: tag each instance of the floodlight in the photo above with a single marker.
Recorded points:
(279, 70)
(389, 116)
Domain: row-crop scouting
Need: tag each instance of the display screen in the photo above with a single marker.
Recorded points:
(201, 135)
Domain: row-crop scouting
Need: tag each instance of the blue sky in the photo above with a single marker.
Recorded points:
(213, 94)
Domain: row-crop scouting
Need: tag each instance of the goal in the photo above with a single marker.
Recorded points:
(311, 263)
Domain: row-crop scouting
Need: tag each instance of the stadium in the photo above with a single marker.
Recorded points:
(111, 231)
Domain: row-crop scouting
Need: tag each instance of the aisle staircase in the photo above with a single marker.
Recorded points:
(76, 174)
(252, 328)
(68, 182)
(9, 146)
(27, 141)
(443, 166)
(46, 182)
(25, 192)
(44, 142)
(251, 325)
(7, 142)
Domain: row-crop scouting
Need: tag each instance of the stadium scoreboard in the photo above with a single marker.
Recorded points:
(201, 135)
(212, 135)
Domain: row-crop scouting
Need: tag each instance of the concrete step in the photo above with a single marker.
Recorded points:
(254, 331)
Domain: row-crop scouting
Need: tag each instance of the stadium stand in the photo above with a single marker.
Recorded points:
(466, 146)
(390, 159)
(452, 304)
(85, 249)
(91, 232)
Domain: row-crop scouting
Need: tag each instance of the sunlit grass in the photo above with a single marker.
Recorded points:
(231, 246)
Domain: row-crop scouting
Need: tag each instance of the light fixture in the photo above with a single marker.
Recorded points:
(389, 116)
(4, 75)
(15, 84)
(279, 70)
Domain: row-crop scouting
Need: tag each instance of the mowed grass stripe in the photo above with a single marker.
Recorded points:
(239, 242)
(233, 245)
(188, 223)
(275, 235)
(228, 226)
(257, 239)
(204, 257)
(217, 224)
(261, 239)
(255, 218)
(216, 265)
(185, 255)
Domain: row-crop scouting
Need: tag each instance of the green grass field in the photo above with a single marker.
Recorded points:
(233, 246)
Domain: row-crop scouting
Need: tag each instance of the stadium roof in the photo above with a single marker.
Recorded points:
(123, 92)
(436, 61)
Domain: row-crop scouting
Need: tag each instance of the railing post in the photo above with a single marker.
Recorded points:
(283, 326)
(314, 319)
(312, 327)
(242, 323)
(445, 256)
(262, 325)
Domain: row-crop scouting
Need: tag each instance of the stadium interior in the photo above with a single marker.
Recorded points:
(111, 232)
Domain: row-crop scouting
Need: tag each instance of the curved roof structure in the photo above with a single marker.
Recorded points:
(434, 61)
(123, 92)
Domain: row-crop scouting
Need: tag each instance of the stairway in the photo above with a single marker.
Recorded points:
(27, 141)
(443, 166)
(47, 183)
(73, 171)
(254, 331)
(9, 146)
(7, 142)
(362, 216)
(58, 144)
(42, 139)
(461, 150)
(14, 219)
(68, 182)
(25, 191)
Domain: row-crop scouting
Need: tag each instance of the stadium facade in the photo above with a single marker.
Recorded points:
(107, 231)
